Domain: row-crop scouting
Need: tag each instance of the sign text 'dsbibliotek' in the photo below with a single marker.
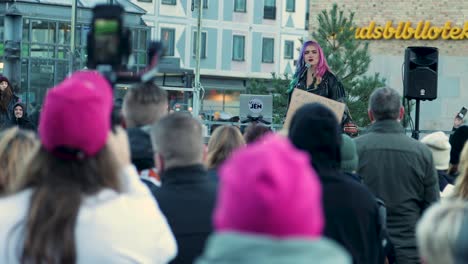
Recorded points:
(423, 30)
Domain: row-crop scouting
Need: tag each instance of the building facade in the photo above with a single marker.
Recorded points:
(35, 40)
(447, 30)
(241, 40)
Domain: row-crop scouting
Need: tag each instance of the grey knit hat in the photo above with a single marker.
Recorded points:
(349, 156)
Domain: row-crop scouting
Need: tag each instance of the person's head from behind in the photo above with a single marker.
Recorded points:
(74, 161)
(385, 104)
(442, 233)
(6, 93)
(311, 53)
(314, 128)
(461, 186)
(177, 141)
(223, 141)
(16, 145)
(144, 104)
(255, 131)
(255, 197)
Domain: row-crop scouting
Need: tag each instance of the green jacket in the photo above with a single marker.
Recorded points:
(400, 171)
(235, 248)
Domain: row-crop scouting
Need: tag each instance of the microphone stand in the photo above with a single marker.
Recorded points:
(304, 71)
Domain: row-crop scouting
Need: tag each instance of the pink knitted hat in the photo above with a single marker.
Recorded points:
(77, 115)
(270, 188)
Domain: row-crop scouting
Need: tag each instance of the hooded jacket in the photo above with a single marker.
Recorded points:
(234, 248)
(351, 211)
(23, 122)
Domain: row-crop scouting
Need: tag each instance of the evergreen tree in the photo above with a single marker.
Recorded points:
(349, 59)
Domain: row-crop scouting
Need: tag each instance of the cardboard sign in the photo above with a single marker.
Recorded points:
(300, 97)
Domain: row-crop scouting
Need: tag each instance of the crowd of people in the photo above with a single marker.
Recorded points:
(99, 183)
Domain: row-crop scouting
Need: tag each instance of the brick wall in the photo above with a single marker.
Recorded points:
(437, 12)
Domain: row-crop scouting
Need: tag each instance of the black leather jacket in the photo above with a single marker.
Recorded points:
(330, 87)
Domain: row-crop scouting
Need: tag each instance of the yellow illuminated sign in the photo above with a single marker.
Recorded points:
(406, 30)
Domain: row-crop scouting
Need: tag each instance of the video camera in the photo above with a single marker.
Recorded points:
(109, 47)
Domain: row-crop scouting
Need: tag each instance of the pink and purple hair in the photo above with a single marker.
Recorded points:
(322, 65)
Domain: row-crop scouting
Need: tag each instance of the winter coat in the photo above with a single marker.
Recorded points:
(141, 153)
(187, 198)
(6, 118)
(400, 171)
(111, 227)
(330, 87)
(235, 248)
(351, 211)
(23, 122)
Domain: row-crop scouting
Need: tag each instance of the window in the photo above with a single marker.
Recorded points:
(288, 49)
(140, 39)
(268, 48)
(168, 2)
(203, 44)
(240, 6)
(290, 5)
(146, 1)
(269, 9)
(168, 40)
(195, 3)
(238, 44)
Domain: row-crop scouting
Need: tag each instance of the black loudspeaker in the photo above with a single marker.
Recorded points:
(421, 73)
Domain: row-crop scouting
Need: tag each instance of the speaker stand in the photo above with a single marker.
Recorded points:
(415, 133)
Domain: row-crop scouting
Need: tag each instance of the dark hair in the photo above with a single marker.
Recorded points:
(58, 188)
(144, 104)
(5, 97)
(314, 128)
(254, 131)
(385, 103)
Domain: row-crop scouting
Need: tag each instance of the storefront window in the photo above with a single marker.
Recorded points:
(26, 29)
(222, 100)
(41, 77)
(2, 37)
(24, 75)
(62, 69)
(42, 51)
(45, 54)
(64, 33)
(25, 49)
(43, 32)
(2, 28)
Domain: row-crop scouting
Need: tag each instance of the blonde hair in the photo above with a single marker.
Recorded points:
(438, 230)
(223, 141)
(16, 148)
(461, 186)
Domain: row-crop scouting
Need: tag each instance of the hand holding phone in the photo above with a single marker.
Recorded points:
(459, 117)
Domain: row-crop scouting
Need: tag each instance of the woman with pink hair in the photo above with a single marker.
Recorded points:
(313, 75)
